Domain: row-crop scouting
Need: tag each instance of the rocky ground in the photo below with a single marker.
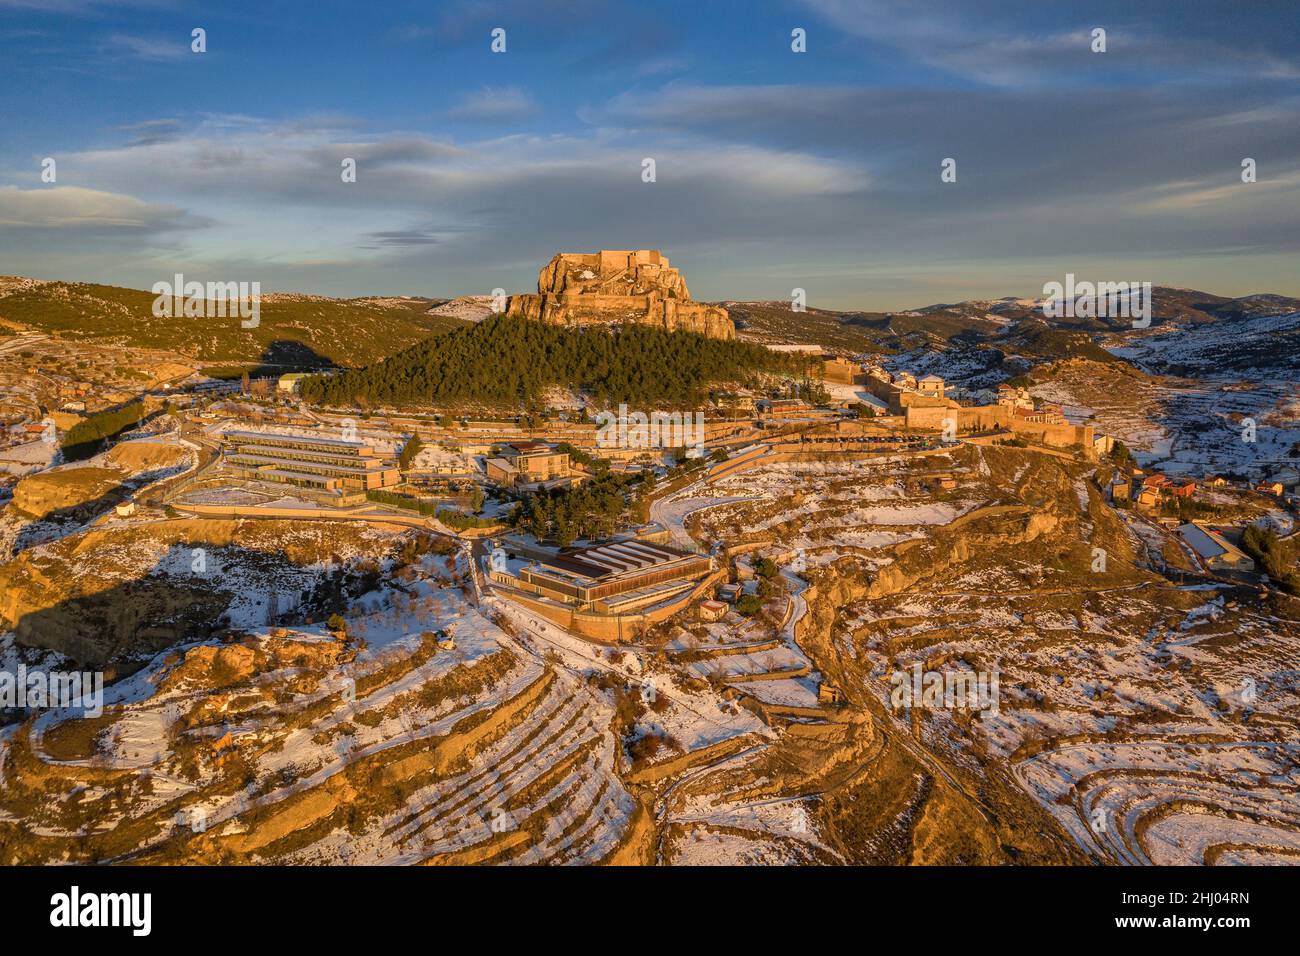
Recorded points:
(1150, 720)
(1136, 718)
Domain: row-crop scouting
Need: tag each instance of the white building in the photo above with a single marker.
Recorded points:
(1213, 550)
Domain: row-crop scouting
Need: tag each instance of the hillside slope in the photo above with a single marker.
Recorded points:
(294, 330)
(507, 360)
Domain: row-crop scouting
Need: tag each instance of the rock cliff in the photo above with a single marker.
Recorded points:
(616, 286)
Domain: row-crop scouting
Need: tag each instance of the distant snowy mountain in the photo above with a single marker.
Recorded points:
(1258, 346)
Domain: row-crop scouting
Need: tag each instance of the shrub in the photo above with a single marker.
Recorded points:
(86, 437)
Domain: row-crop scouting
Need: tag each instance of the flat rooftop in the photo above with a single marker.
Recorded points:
(361, 467)
(615, 557)
(300, 439)
(1208, 543)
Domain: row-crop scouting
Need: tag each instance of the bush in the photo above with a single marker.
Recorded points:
(86, 437)
(402, 501)
(1270, 556)
(408, 453)
(460, 521)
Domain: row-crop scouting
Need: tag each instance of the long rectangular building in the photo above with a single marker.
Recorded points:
(1214, 550)
(324, 464)
(609, 573)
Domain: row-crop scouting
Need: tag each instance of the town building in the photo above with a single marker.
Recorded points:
(529, 462)
(1044, 415)
(836, 368)
(1288, 478)
(930, 385)
(617, 576)
(711, 610)
(320, 464)
(1148, 499)
(1014, 396)
(776, 408)
(1214, 551)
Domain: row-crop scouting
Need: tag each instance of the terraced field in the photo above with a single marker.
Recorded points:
(1184, 426)
(1153, 721)
(292, 747)
(1134, 718)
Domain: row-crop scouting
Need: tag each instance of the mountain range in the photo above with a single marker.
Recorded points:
(1192, 333)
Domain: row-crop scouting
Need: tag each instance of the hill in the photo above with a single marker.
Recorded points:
(776, 322)
(295, 331)
(509, 360)
(1238, 345)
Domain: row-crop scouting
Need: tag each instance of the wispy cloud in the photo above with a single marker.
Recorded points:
(72, 208)
(403, 237)
(1006, 45)
(154, 49)
(149, 132)
(495, 105)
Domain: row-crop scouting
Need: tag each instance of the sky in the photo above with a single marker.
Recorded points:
(774, 169)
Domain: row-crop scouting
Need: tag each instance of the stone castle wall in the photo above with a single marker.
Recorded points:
(638, 286)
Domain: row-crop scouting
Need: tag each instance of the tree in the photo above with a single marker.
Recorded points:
(336, 624)
(766, 568)
(510, 361)
(409, 451)
(564, 535)
(1270, 556)
(539, 519)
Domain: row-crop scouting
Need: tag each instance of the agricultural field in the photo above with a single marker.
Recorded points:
(1153, 721)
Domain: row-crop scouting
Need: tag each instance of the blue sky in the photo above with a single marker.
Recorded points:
(774, 169)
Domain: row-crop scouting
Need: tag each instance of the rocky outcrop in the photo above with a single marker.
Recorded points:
(609, 287)
(69, 492)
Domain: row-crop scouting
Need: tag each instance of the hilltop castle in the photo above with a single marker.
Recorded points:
(611, 286)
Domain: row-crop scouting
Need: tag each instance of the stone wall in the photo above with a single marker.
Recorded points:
(1055, 436)
(613, 628)
(636, 286)
(969, 418)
